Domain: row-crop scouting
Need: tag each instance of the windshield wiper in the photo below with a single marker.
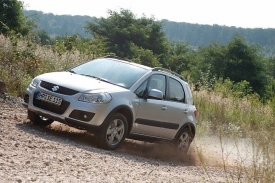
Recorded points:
(99, 78)
(71, 71)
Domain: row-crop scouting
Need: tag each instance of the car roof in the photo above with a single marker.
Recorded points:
(158, 69)
(127, 62)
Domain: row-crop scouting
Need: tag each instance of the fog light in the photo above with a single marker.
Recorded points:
(82, 115)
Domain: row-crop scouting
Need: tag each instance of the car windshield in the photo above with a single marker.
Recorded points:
(116, 72)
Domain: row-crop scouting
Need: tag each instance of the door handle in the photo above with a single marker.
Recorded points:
(164, 108)
(185, 111)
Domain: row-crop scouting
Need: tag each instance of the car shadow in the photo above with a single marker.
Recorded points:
(81, 139)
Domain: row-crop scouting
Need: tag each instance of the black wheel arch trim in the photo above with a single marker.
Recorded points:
(188, 125)
(126, 111)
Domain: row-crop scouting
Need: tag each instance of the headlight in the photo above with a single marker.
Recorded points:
(95, 98)
(35, 82)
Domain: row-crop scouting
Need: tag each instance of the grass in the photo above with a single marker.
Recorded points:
(22, 60)
(236, 119)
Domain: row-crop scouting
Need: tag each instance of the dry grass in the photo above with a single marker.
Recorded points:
(21, 60)
(238, 119)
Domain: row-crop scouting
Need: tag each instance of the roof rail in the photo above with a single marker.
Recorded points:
(113, 56)
(168, 71)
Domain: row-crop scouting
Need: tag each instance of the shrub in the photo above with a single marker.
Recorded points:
(21, 60)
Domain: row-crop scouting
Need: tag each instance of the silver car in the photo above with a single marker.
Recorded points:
(115, 99)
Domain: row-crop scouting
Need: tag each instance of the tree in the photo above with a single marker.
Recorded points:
(238, 61)
(213, 60)
(144, 56)
(123, 31)
(209, 65)
(43, 38)
(245, 63)
(178, 57)
(12, 17)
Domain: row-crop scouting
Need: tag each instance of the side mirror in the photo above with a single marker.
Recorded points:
(155, 94)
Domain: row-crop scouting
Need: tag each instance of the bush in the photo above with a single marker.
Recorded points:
(21, 60)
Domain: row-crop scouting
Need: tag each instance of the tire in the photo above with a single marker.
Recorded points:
(184, 140)
(113, 132)
(39, 120)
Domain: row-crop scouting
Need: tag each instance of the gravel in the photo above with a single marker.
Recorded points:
(58, 153)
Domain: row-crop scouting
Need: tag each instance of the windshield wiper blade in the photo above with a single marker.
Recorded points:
(99, 78)
(71, 71)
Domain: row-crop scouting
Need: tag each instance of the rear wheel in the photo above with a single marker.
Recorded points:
(113, 132)
(184, 140)
(39, 120)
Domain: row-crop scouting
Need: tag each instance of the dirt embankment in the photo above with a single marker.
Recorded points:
(62, 154)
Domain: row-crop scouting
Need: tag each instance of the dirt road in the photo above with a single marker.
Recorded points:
(62, 154)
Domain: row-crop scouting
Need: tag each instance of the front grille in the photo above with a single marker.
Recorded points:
(81, 115)
(61, 89)
(58, 109)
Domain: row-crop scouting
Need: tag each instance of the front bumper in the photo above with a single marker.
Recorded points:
(71, 111)
(68, 121)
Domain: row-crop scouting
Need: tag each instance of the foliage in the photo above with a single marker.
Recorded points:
(178, 58)
(95, 47)
(207, 79)
(236, 120)
(42, 37)
(233, 112)
(59, 25)
(203, 35)
(243, 62)
(195, 35)
(12, 18)
(213, 58)
(236, 61)
(21, 60)
(122, 30)
(142, 40)
(230, 89)
(144, 56)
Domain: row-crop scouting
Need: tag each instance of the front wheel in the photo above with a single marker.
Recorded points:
(39, 120)
(184, 140)
(113, 132)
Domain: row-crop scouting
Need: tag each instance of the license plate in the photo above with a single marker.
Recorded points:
(49, 98)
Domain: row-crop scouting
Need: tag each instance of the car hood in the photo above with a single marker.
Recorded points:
(79, 82)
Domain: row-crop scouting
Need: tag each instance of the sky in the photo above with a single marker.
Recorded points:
(238, 13)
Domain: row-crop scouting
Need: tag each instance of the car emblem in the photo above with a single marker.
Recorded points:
(55, 88)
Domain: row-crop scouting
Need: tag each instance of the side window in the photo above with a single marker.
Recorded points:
(141, 89)
(158, 82)
(176, 91)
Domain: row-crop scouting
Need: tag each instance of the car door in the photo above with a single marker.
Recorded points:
(177, 108)
(151, 112)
